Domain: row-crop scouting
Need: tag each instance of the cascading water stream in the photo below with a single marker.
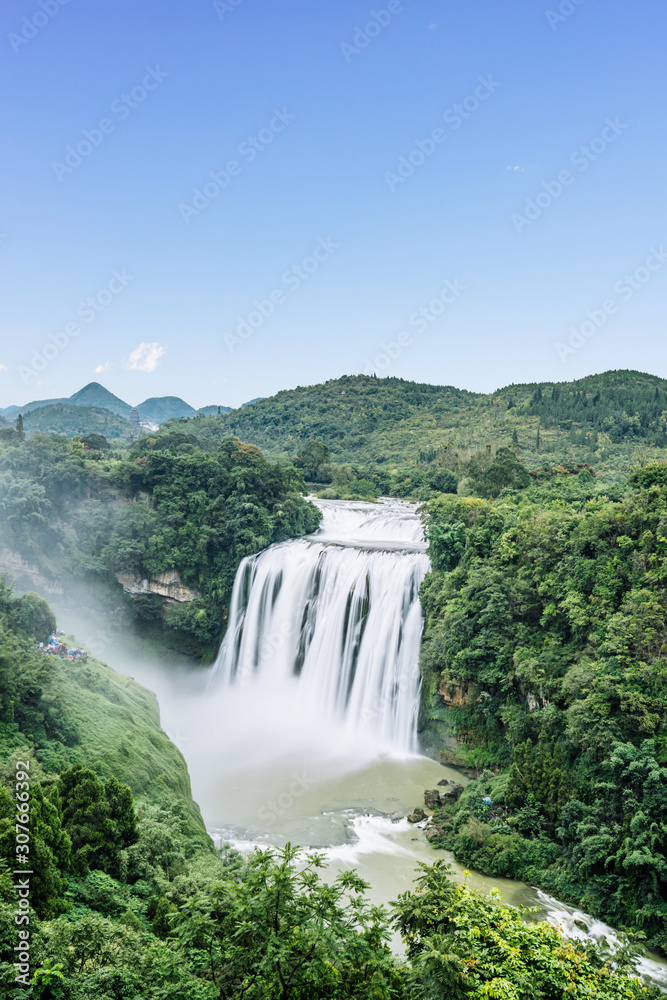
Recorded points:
(335, 619)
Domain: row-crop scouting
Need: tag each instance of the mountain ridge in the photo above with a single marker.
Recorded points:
(601, 419)
(157, 409)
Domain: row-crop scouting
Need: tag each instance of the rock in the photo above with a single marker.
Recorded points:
(432, 798)
(167, 584)
(452, 794)
(434, 831)
(417, 816)
(449, 758)
(444, 781)
(581, 925)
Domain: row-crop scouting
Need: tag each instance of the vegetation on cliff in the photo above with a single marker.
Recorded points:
(78, 510)
(129, 900)
(544, 654)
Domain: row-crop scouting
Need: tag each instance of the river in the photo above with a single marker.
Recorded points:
(305, 728)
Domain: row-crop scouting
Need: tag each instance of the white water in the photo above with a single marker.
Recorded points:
(271, 760)
(333, 622)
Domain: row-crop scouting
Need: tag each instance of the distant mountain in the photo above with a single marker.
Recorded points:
(257, 399)
(11, 412)
(213, 411)
(157, 409)
(161, 408)
(95, 394)
(61, 418)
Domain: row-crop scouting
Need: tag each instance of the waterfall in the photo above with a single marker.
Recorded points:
(334, 621)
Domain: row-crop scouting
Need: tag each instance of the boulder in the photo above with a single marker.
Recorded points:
(432, 798)
(452, 794)
(434, 831)
(417, 816)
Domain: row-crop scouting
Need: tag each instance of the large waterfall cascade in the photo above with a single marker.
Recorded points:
(334, 619)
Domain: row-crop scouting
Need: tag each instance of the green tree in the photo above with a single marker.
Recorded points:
(279, 931)
(99, 819)
(461, 944)
(311, 457)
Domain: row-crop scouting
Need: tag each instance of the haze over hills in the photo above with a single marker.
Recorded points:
(156, 409)
(607, 420)
(69, 421)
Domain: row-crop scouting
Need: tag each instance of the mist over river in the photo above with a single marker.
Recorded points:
(304, 730)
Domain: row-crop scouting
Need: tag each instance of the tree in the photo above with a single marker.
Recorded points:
(311, 457)
(99, 818)
(462, 944)
(19, 428)
(49, 848)
(32, 615)
(95, 442)
(277, 930)
(490, 476)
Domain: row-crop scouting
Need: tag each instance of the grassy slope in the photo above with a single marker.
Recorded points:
(118, 726)
(389, 421)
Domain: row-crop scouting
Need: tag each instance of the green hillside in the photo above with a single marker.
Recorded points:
(544, 656)
(608, 420)
(129, 901)
(161, 408)
(79, 420)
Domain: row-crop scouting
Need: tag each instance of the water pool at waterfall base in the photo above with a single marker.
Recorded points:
(325, 755)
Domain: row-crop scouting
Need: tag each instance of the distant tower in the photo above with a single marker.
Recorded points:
(134, 416)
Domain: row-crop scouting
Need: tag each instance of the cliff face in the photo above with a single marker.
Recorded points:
(18, 569)
(168, 585)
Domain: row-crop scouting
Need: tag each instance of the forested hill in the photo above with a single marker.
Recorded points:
(602, 419)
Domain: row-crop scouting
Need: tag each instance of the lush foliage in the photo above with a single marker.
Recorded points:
(383, 424)
(546, 617)
(461, 944)
(77, 510)
(130, 901)
(61, 418)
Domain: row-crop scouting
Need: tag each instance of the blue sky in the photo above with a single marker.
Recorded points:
(312, 238)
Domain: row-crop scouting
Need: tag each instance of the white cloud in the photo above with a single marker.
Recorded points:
(3, 368)
(145, 357)
(106, 367)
